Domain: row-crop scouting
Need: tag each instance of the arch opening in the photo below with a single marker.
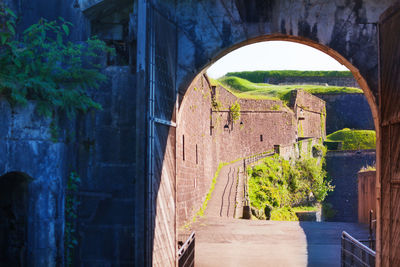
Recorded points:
(14, 200)
(187, 105)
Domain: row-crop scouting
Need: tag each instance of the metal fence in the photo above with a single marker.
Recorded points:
(247, 161)
(186, 252)
(354, 253)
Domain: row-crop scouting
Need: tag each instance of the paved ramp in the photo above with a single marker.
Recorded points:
(224, 197)
(236, 242)
(224, 241)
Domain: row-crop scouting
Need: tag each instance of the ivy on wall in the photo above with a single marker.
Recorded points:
(71, 213)
(40, 64)
(235, 111)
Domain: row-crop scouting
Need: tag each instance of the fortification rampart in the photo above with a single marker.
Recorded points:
(332, 81)
(207, 135)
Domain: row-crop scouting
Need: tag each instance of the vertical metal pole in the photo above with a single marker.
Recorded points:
(370, 237)
(141, 220)
(150, 147)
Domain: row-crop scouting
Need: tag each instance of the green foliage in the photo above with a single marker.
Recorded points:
(42, 65)
(71, 213)
(200, 213)
(354, 139)
(282, 184)
(328, 211)
(319, 150)
(260, 76)
(216, 104)
(368, 168)
(243, 88)
(213, 82)
(276, 107)
(235, 111)
(284, 214)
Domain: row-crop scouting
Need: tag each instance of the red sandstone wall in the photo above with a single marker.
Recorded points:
(258, 117)
(312, 110)
(270, 118)
(194, 177)
(366, 195)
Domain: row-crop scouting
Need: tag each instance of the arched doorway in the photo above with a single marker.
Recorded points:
(14, 201)
(187, 145)
(193, 58)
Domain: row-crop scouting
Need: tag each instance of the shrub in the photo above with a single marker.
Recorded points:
(235, 111)
(42, 65)
(352, 139)
(281, 184)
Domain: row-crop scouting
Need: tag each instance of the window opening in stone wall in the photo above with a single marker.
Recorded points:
(261, 137)
(183, 147)
(112, 25)
(197, 156)
(13, 219)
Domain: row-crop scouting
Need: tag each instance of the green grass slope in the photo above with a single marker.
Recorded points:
(259, 76)
(354, 139)
(243, 88)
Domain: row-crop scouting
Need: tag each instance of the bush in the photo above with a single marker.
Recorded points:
(42, 65)
(352, 139)
(280, 184)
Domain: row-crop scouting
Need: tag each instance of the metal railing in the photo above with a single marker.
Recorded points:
(257, 157)
(247, 161)
(354, 253)
(186, 252)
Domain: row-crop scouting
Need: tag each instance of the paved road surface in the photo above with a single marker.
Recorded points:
(224, 241)
(236, 242)
(223, 199)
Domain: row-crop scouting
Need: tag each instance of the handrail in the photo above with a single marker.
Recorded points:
(356, 254)
(358, 243)
(185, 245)
(246, 161)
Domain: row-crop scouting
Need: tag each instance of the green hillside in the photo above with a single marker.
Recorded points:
(259, 76)
(354, 139)
(243, 88)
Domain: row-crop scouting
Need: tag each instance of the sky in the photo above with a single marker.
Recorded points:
(274, 55)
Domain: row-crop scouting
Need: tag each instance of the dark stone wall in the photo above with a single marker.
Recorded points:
(100, 148)
(27, 147)
(106, 163)
(342, 168)
(347, 111)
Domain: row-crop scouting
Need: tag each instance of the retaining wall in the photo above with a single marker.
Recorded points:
(347, 111)
(343, 167)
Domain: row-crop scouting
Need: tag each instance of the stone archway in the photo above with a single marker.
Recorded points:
(206, 30)
(14, 201)
(187, 102)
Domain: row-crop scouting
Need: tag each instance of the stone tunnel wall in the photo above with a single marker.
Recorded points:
(27, 147)
(99, 148)
(206, 136)
(106, 162)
